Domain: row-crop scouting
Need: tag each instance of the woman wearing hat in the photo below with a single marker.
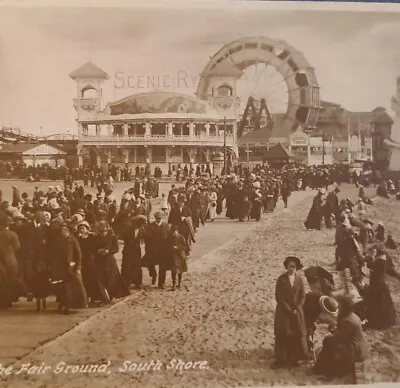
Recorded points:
(346, 346)
(89, 274)
(131, 268)
(105, 246)
(381, 313)
(289, 326)
(65, 262)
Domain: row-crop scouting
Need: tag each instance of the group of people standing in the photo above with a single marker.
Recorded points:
(361, 247)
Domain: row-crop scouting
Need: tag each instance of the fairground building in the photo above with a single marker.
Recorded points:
(158, 129)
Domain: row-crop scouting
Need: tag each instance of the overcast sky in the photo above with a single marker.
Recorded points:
(356, 55)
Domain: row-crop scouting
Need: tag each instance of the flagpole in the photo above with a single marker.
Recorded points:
(225, 146)
(348, 139)
(359, 138)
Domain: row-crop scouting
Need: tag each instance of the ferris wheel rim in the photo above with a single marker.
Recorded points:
(244, 52)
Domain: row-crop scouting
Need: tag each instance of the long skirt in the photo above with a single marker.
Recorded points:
(290, 349)
(381, 313)
(110, 277)
(78, 292)
(256, 210)
(131, 270)
(333, 360)
(314, 219)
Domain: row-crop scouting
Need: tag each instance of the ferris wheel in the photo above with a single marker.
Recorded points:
(271, 71)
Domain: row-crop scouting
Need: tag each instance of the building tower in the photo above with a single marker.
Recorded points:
(89, 79)
(88, 102)
(222, 80)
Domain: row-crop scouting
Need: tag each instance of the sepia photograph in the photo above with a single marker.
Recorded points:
(199, 194)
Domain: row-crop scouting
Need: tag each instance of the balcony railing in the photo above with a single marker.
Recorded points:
(158, 138)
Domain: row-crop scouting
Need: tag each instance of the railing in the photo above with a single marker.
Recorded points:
(158, 138)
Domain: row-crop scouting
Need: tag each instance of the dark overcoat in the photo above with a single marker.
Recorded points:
(156, 243)
(289, 298)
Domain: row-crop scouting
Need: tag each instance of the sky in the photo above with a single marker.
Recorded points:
(355, 54)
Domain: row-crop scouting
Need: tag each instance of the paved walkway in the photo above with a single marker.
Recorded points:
(22, 329)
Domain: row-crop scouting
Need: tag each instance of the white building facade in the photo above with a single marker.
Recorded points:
(158, 129)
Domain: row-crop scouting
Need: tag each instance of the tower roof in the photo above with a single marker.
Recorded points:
(382, 118)
(225, 68)
(89, 70)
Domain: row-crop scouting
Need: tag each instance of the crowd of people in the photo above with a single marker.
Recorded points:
(63, 242)
(350, 308)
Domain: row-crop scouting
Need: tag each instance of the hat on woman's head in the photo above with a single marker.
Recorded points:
(329, 305)
(76, 219)
(81, 212)
(84, 223)
(295, 260)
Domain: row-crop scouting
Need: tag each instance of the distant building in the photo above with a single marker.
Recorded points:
(157, 129)
(33, 154)
(348, 137)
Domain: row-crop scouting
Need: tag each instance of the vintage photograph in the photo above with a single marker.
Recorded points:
(199, 194)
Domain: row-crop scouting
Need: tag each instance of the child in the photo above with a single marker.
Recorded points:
(179, 258)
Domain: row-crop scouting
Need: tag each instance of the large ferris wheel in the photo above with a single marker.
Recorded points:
(273, 72)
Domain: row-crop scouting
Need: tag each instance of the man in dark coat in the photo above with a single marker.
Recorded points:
(195, 208)
(157, 251)
(289, 326)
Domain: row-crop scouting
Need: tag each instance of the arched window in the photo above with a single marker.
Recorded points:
(89, 91)
(224, 91)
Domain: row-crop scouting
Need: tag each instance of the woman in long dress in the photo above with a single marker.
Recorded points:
(289, 325)
(89, 274)
(314, 217)
(212, 204)
(131, 269)
(105, 246)
(381, 313)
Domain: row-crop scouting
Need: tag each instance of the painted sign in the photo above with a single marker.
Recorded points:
(299, 138)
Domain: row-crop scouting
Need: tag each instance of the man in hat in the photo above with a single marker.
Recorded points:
(289, 326)
(100, 208)
(157, 250)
